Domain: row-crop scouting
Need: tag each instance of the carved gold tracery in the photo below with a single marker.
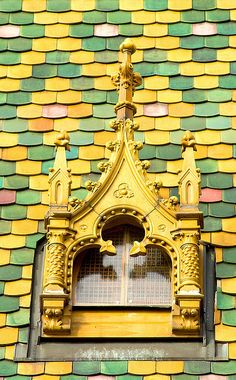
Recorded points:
(124, 193)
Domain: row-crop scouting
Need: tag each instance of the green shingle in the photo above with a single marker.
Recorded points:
(9, 58)
(114, 43)
(20, 377)
(218, 15)
(203, 5)
(5, 227)
(3, 44)
(131, 29)
(157, 166)
(28, 197)
(229, 255)
(82, 83)
(105, 56)
(204, 55)
(81, 138)
(114, 367)
(155, 55)
(57, 57)
(207, 165)
(225, 270)
(32, 31)
(181, 83)
(42, 152)
(221, 210)
(8, 304)
(212, 224)
(228, 136)
(219, 95)
(94, 17)
(46, 165)
(15, 125)
(103, 111)
(192, 42)
(112, 97)
(44, 70)
(10, 6)
(107, 5)
(79, 193)
(69, 70)
(148, 151)
(20, 44)
(16, 182)
(203, 207)
(217, 41)
(193, 16)
(21, 18)
(197, 367)
(184, 376)
(229, 317)
(30, 138)
(7, 112)
(207, 109)
(86, 368)
(58, 6)
(7, 168)
(81, 30)
(32, 84)
(225, 301)
(153, 5)
(24, 335)
(224, 368)
(94, 96)
(229, 195)
(94, 43)
(70, 155)
(10, 272)
(19, 98)
(226, 28)
(73, 377)
(22, 256)
(4, 18)
(179, 29)
(14, 212)
(7, 367)
(19, 318)
(167, 68)
(168, 152)
(3, 98)
(227, 81)
(146, 68)
(218, 122)
(194, 96)
(119, 17)
(91, 124)
(32, 240)
(233, 68)
(220, 180)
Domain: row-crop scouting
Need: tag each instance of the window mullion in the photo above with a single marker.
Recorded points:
(125, 257)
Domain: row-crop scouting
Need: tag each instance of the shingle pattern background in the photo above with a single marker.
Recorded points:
(56, 60)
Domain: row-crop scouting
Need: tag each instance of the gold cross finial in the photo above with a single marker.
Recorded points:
(126, 81)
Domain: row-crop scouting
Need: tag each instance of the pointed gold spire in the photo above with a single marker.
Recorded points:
(189, 178)
(126, 81)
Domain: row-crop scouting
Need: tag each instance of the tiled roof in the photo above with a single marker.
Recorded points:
(55, 66)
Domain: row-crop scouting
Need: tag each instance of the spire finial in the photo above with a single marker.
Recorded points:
(126, 81)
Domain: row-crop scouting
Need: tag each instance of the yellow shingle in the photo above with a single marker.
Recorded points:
(14, 154)
(46, 18)
(24, 227)
(232, 350)
(201, 152)
(57, 84)
(139, 108)
(70, 17)
(167, 42)
(179, 55)
(219, 254)
(181, 109)
(19, 287)
(141, 368)
(227, 54)
(131, 5)
(180, 4)
(101, 138)
(169, 367)
(192, 68)
(68, 124)
(19, 71)
(25, 301)
(82, 56)
(226, 4)
(37, 212)
(87, 5)
(143, 17)
(30, 111)
(167, 16)
(80, 110)
(232, 41)
(50, 137)
(4, 256)
(225, 333)
(111, 70)
(44, 97)
(156, 83)
(44, 197)
(229, 224)
(8, 335)
(32, 57)
(30, 368)
(76, 183)
(174, 166)
(157, 377)
(44, 44)
(207, 137)
(228, 109)
(103, 83)
(38, 182)
(145, 96)
(167, 123)
(69, 44)
(224, 239)
(10, 352)
(79, 166)
(157, 138)
(57, 30)
(143, 42)
(58, 368)
(169, 96)
(92, 152)
(168, 179)
(217, 68)
(2, 320)
(206, 81)
(227, 166)
(3, 71)
(145, 123)
(27, 271)
(8, 84)
(9, 139)
(94, 69)
(233, 14)
(155, 30)
(33, 5)
(28, 167)
(69, 97)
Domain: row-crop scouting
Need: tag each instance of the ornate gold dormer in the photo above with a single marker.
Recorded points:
(124, 194)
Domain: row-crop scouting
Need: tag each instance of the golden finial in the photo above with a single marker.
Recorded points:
(188, 140)
(128, 45)
(63, 139)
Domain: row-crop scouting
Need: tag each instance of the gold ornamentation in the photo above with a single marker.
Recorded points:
(105, 166)
(108, 248)
(154, 186)
(190, 264)
(52, 320)
(138, 249)
(171, 203)
(116, 124)
(188, 140)
(123, 191)
(56, 264)
(187, 320)
(113, 146)
(92, 186)
(131, 125)
(75, 203)
(63, 139)
(135, 145)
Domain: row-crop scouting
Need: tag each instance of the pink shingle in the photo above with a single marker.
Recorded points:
(8, 31)
(213, 377)
(204, 29)
(7, 197)
(106, 30)
(55, 111)
(155, 109)
(211, 195)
